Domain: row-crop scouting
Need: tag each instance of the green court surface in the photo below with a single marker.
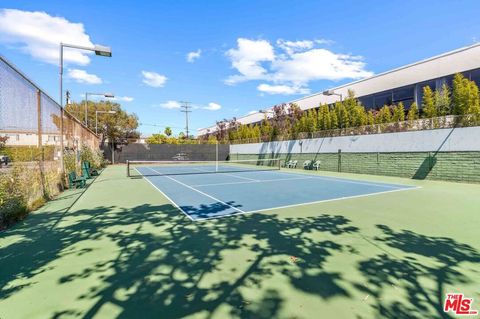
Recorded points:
(122, 250)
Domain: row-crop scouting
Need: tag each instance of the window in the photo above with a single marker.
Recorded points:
(404, 95)
(381, 99)
(367, 101)
(475, 76)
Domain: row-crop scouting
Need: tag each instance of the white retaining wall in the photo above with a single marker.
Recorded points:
(444, 140)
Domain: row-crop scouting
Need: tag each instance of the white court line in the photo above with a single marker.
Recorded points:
(198, 191)
(236, 176)
(310, 203)
(158, 189)
(255, 181)
(339, 179)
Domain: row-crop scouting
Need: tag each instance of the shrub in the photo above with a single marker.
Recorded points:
(70, 161)
(13, 205)
(28, 153)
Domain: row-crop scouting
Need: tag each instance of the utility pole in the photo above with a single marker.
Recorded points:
(67, 102)
(186, 108)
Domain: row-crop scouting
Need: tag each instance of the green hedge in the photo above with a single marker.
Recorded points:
(28, 153)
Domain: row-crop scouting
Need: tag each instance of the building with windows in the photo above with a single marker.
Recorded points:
(404, 84)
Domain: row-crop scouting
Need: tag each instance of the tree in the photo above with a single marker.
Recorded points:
(119, 126)
(221, 131)
(211, 139)
(333, 118)
(370, 118)
(311, 120)
(168, 131)
(460, 94)
(280, 121)
(3, 141)
(398, 113)
(342, 115)
(413, 113)
(355, 111)
(428, 103)
(156, 139)
(324, 120)
(266, 129)
(384, 115)
(473, 104)
(443, 100)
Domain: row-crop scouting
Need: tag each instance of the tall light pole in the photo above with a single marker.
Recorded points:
(332, 92)
(99, 50)
(266, 111)
(186, 109)
(108, 95)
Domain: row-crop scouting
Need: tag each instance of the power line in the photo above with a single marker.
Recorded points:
(186, 108)
(156, 125)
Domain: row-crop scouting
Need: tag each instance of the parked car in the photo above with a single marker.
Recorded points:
(4, 160)
(180, 157)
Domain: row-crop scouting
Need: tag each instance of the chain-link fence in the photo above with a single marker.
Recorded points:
(34, 134)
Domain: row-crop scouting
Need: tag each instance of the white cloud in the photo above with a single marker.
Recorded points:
(171, 105)
(212, 106)
(39, 35)
(247, 58)
(192, 56)
(123, 98)
(318, 64)
(293, 46)
(282, 89)
(296, 64)
(81, 76)
(153, 79)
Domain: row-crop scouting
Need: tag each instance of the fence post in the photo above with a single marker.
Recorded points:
(61, 141)
(40, 147)
(339, 160)
(39, 118)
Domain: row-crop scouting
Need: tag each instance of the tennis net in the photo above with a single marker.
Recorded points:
(152, 168)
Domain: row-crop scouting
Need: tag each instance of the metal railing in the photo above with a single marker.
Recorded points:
(449, 121)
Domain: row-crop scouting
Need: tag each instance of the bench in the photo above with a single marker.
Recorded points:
(75, 181)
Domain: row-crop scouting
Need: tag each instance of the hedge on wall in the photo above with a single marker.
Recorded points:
(28, 153)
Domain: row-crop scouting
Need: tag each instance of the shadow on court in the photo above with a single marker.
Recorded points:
(165, 266)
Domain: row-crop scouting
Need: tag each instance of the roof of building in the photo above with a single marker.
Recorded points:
(459, 60)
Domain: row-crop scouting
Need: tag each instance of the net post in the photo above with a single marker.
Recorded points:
(128, 168)
(216, 156)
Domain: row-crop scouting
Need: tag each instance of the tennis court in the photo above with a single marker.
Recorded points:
(206, 190)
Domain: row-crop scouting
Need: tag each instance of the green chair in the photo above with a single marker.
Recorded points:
(75, 181)
(87, 170)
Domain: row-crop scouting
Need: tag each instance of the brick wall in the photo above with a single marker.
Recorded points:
(450, 166)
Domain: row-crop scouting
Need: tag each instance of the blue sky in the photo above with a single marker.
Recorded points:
(244, 55)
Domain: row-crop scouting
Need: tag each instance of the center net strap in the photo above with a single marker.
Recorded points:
(152, 168)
